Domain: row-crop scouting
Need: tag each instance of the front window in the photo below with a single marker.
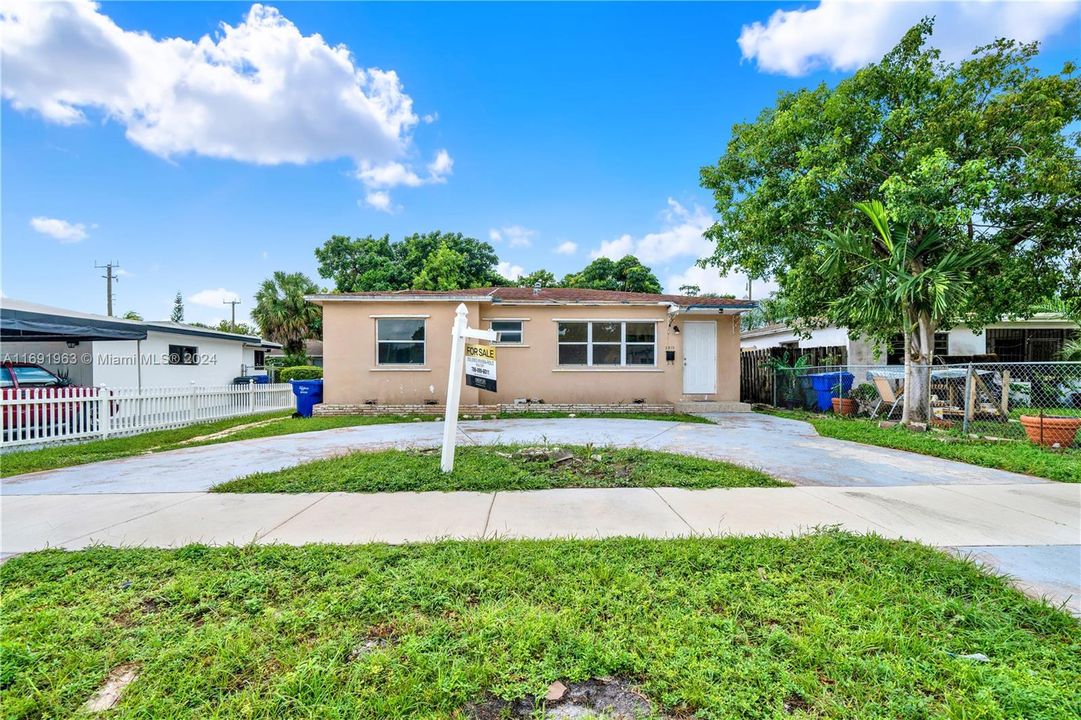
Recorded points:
(508, 332)
(607, 344)
(183, 355)
(260, 359)
(400, 341)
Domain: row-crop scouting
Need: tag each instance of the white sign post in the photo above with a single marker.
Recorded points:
(458, 333)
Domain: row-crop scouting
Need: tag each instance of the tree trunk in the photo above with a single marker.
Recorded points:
(919, 350)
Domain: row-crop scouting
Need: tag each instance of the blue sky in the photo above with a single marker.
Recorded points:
(203, 158)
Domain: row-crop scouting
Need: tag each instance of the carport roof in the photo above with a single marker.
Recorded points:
(20, 320)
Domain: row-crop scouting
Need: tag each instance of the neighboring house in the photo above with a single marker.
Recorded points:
(96, 349)
(1038, 338)
(312, 348)
(556, 345)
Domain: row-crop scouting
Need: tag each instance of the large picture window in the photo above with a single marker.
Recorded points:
(400, 341)
(615, 343)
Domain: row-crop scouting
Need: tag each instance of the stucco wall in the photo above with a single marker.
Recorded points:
(114, 361)
(530, 370)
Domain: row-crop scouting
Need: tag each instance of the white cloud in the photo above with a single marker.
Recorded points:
(710, 281)
(212, 298)
(380, 200)
(258, 92)
(681, 235)
(509, 271)
(567, 248)
(62, 230)
(844, 35)
(515, 235)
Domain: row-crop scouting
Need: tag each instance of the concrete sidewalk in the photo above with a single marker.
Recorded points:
(787, 449)
(979, 519)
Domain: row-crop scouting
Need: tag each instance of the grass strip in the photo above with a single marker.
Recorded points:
(829, 626)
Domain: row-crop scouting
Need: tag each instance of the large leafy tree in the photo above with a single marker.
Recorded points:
(282, 313)
(627, 274)
(538, 278)
(442, 270)
(372, 264)
(983, 152)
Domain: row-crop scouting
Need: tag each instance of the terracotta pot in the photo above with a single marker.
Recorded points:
(941, 423)
(845, 406)
(1050, 430)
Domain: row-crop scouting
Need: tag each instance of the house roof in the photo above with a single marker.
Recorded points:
(544, 296)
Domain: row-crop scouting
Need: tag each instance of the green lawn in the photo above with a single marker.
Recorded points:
(16, 463)
(826, 626)
(1018, 456)
(501, 467)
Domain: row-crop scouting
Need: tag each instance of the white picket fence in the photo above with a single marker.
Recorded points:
(43, 416)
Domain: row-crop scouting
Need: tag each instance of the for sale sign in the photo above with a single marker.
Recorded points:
(480, 367)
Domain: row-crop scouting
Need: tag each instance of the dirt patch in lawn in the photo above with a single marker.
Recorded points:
(609, 698)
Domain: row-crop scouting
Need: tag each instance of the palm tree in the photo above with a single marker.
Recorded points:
(282, 313)
(908, 274)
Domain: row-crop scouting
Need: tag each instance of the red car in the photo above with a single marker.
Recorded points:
(40, 403)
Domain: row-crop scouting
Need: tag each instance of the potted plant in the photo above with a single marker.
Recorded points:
(1051, 430)
(845, 406)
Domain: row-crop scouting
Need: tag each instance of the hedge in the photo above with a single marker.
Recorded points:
(300, 372)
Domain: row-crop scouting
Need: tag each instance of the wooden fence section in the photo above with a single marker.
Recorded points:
(756, 380)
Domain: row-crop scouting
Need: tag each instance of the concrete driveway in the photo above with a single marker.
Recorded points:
(787, 449)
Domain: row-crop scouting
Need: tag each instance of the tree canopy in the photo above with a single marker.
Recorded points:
(982, 152)
(282, 313)
(177, 314)
(435, 260)
(627, 274)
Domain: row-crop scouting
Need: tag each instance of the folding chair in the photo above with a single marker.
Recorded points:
(886, 395)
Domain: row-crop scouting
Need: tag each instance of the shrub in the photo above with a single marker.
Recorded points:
(300, 372)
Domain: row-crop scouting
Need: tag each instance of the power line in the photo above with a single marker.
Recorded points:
(109, 278)
(233, 304)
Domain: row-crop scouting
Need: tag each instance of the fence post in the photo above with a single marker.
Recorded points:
(251, 397)
(968, 399)
(193, 410)
(105, 411)
(775, 388)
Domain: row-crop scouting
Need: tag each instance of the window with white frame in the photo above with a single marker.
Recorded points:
(508, 332)
(616, 343)
(400, 341)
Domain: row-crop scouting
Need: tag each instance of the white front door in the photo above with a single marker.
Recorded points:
(699, 358)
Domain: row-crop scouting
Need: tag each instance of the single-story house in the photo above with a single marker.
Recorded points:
(96, 349)
(1034, 339)
(559, 346)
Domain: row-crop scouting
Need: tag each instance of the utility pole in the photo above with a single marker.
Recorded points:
(233, 304)
(109, 278)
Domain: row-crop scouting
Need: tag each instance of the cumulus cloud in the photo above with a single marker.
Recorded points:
(515, 235)
(380, 200)
(844, 35)
(509, 271)
(567, 248)
(680, 235)
(212, 298)
(258, 92)
(64, 231)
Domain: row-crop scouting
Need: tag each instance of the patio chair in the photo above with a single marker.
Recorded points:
(887, 395)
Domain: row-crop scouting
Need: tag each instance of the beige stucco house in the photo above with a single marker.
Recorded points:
(390, 351)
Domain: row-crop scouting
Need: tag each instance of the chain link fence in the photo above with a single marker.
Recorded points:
(1010, 401)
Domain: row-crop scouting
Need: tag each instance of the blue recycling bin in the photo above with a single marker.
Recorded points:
(309, 393)
(824, 384)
